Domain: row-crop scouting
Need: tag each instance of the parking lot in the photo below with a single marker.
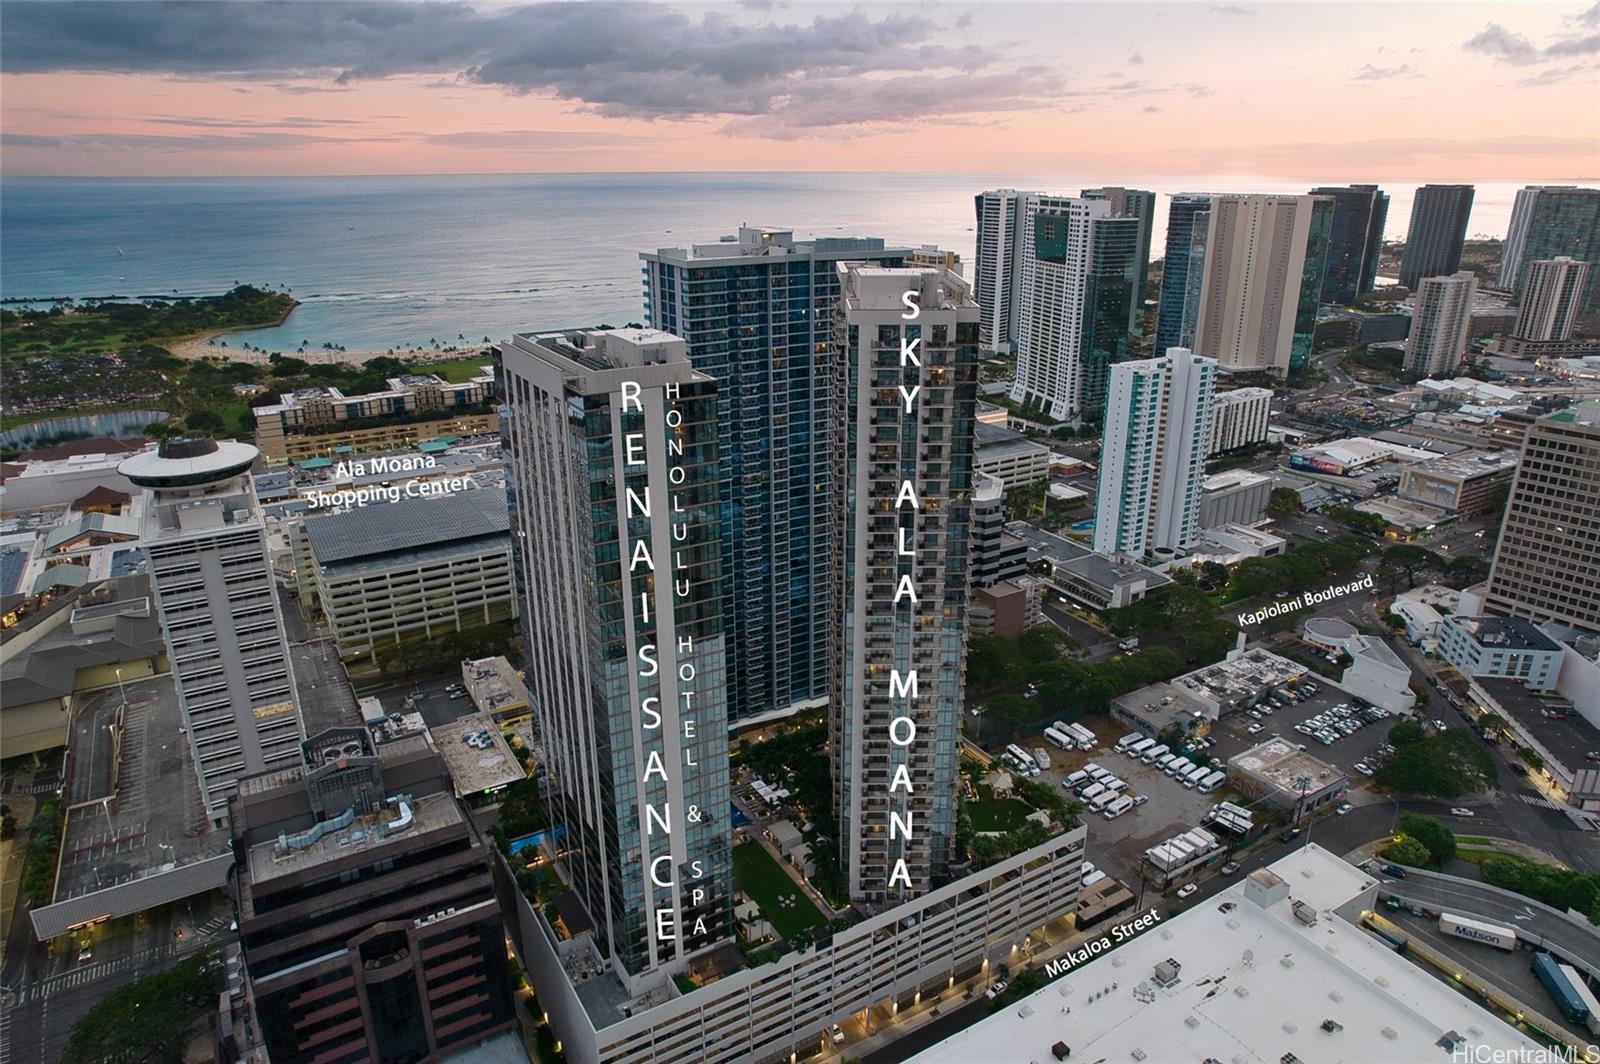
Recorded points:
(1233, 733)
(1117, 846)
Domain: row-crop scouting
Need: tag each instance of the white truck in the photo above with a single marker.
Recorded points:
(1087, 740)
(1041, 757)
(1477, 931)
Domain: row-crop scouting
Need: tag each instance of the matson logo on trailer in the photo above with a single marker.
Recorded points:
(1490, 934)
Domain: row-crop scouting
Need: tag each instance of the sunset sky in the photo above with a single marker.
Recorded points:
(1335, 92)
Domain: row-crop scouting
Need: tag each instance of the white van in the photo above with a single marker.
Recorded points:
(1091, 792)
(1193, 777)
(1166, 761)
(1101, 800)
(1155, 753)
(1114, 785)
(1128, 740)
(1076, 778)
(1138, 748)
(1118, 807)
(1177, 767)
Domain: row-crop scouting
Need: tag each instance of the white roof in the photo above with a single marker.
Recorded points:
(1255, 984)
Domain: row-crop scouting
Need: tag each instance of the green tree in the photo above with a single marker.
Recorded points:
(1407, 851)
(1410, 559)
(1440, 840)
(149, 1020)
(1282, 503)
(1215, 573)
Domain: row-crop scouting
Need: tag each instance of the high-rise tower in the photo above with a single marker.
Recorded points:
(1153, 454)
(1551, 298)
(1439, 322)
(1547, 560)
(1355, 239)
(998, 275)
(756, 313)
(1188, 215)
(1438, 228)
(1549, 222)
(1140, 204)
(206, 546)
(1264, 258)
(1080, 285)
(905, 396)
(611, 442)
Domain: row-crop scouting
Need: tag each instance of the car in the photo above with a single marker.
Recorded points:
(1521, 770)
(1230, 868)
(995, 989)
(1461, 810)
(457, 694)
(1344, 807)
(1254, 728)
(1290, 835)
(1439, 724)
(837, 1034)
(1392, 870)
(85, 952)
(1140, 799)
(1088, 866)
(1187, 890)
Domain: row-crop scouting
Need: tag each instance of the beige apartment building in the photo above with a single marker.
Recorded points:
(318, 421)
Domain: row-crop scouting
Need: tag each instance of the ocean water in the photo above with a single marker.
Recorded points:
(381, 262)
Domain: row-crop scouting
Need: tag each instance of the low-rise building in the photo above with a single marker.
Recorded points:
(1240, 680)
(1567, 745)
(1154, 709)
(407, 570)
(306, 421)
(1501, 647)
(1462, 485)
(1375, 673)
(1285, 777)
(1096, 580)
(1304, 982)
(1011, 456)
(1006, 608)
(1235, 542)
(1235, 496)
(496, 689)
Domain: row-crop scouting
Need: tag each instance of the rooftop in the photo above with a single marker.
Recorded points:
(1162, 705)
(756, 242)
(1234, 681)
(156, 822)
(1565, 734)
(1469, 463)
(1505, 633)
(386, 530)
(326, 698)
(182, 462)
(475, 754)
(1282, 763)
(1254, 985)
(1098, 569)
(494, 685)
(1403, 513)
(1233, 478)
(272, 859)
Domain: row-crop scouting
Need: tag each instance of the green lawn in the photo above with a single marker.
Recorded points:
(997, 814)
(759, 875)
(458, 372)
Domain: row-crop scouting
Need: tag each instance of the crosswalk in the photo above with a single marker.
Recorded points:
(90, 973)
(211, 927)
(1539, 803)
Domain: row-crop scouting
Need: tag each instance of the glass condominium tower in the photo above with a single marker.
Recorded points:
(612, 481)
(1080, 280)
(904, 406)
(756, 313)
(1187, 214)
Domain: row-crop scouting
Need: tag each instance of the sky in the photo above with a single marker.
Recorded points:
(1332, 92)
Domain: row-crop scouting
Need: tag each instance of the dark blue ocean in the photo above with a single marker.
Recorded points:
(382, 262)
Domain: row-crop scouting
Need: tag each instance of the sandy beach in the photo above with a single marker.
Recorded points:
(201, 347)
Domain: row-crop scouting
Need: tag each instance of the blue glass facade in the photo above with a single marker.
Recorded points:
(1176, 267)
(757, 317)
